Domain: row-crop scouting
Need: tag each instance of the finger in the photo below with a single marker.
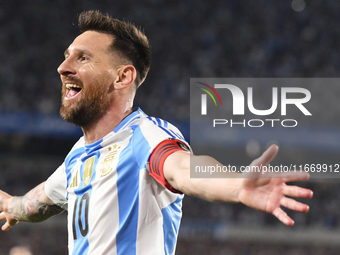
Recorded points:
(294, 205)
(295, 191)
(286, 176)
(296, 176)
(6, 227)
(283, 217)
(267, 156)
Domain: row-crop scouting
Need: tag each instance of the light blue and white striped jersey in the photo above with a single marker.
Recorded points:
(114, 205)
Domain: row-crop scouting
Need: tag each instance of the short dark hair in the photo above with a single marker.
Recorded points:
(129, 41)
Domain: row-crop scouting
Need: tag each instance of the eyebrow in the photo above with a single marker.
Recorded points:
(78, 51)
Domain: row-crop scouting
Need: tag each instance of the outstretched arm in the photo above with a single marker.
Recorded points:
(35, 206)
(256, 191)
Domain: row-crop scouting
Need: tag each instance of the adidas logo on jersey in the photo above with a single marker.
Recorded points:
(74, 181)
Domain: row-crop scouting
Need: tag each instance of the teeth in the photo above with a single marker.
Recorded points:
(69, 86)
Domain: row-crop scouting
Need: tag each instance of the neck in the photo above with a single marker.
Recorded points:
(106, 124)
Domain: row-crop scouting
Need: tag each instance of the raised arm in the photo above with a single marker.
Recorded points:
(257, 191)
(35, 206)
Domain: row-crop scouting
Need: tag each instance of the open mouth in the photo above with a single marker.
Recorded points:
(72, 90)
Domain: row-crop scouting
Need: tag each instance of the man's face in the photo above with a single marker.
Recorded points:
(87, 75)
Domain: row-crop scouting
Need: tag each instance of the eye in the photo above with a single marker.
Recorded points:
(83, 58)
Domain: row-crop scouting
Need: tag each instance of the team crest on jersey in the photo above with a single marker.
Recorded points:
(106, 165)
(88, 170)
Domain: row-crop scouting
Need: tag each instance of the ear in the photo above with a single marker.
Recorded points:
(126, 75)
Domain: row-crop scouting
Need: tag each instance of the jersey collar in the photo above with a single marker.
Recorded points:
(136, 113)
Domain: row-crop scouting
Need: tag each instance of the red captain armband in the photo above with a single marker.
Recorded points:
(159, 155)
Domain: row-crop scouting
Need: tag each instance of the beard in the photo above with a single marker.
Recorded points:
(90, 107)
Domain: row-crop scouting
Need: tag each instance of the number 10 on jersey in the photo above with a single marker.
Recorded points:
(81, 209)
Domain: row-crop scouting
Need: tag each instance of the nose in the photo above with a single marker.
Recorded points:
(66, 68)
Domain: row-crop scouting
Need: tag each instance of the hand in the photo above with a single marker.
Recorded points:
(268, 191)
(5, 201)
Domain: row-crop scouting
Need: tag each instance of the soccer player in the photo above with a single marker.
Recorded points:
(123, 182)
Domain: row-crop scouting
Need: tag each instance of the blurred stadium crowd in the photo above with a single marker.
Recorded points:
(189, 38)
